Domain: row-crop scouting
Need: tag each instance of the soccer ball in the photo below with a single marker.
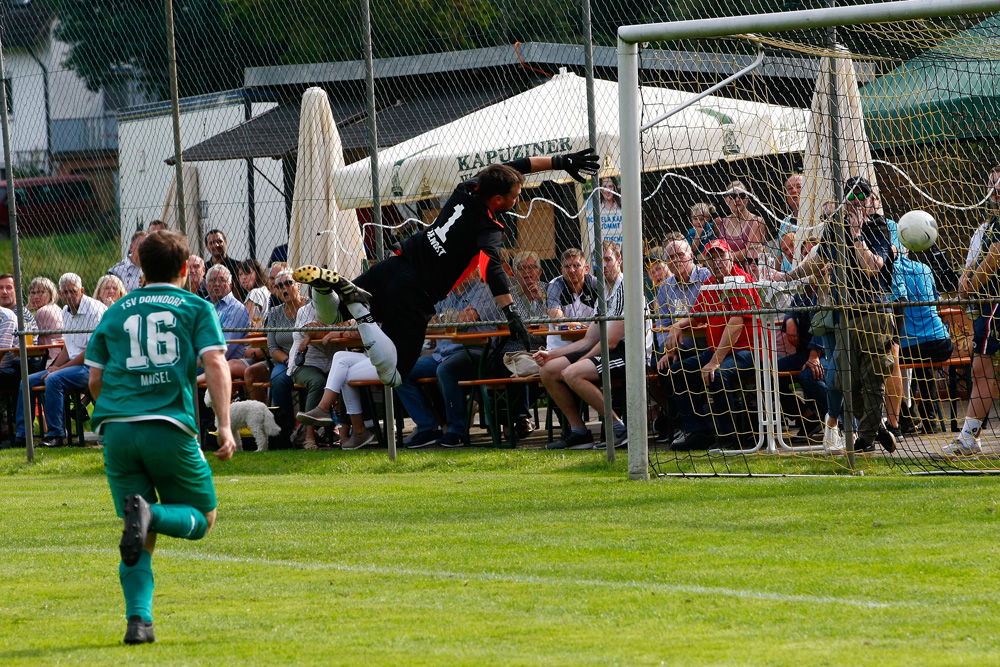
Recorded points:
(917, 230)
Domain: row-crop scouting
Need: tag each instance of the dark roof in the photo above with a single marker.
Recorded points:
(275, 133)
(24, 25)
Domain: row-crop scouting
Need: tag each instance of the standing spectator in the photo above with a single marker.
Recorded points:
(705, 385)
(155, 226)
(743, 231)
(793, 190)
(232, 315)
(702, 230)
(575, 369)
(258, 298)
(109, 289)
(67, 372)
(196, 277)
(217, 244)
(979, 281)
(128, 270)
(573, 293)
(42, 297)
(867, 292)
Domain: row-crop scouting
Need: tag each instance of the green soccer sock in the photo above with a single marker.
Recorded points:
(137, 585)
(178, 521)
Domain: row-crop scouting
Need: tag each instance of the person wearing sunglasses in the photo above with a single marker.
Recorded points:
(743, 231)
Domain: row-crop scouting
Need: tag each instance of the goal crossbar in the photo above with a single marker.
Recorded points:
(629, 38)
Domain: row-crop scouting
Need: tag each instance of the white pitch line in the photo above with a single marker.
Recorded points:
(494, 577)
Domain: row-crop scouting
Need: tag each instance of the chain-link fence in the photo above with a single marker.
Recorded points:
(273, 124)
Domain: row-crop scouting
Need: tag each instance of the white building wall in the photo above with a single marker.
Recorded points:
(146, 140)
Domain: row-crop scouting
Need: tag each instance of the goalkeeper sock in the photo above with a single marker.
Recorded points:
(381, 350)
(178, 521)
(137, 586)
(327, 307)
(970, 430)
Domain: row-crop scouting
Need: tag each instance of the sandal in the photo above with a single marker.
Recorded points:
(309, 445)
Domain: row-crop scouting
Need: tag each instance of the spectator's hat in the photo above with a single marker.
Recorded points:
(717, 244)
(857, 185)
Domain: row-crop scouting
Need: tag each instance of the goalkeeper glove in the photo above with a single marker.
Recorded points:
(518, 331)
(581, 162)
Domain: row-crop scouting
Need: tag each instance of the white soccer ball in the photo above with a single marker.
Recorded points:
(917, 230)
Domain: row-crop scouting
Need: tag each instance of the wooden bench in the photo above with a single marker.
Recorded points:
(368, 399)
(492, 409)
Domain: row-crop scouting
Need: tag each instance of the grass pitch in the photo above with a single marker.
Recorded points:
(524, 558)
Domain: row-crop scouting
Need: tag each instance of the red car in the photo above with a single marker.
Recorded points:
(50, 205)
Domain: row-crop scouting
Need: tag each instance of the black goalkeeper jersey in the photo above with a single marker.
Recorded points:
(465, 235)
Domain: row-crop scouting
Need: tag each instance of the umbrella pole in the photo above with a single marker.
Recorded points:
(390, 416)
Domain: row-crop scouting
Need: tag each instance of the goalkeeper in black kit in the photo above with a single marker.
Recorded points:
(401, 291)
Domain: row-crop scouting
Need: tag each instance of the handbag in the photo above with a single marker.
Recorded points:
(521, 364)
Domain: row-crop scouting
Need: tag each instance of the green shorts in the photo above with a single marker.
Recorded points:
(155, 457)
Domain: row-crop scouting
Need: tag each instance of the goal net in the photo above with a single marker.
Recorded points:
(799, 334)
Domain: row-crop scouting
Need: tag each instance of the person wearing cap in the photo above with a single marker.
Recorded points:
(867, 294)
(706, 385)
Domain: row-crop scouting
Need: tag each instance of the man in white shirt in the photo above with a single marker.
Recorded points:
(128, 269)
(67, 372)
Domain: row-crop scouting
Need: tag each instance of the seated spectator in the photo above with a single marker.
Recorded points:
(573, 293)
(470, 301)
(42, 297)
(232, 315)
(925, 338)
(705, 385)
(67, 372)
(575, 369)
(702, 230)
(530, 291)
(279, 346)
(218, 245)
(8, 300)
(674, 300)
(787, 247)
(258, 300)
(656, 272)
(316, 350)
(128, 270)
(346, 367)
(196, 276)
(272, 273)
(109, 289)
(806, 360)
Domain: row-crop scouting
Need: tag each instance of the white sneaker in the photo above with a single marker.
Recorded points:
(957, 448)
(833, 441)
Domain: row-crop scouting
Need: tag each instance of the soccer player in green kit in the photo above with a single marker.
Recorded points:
(143, 359)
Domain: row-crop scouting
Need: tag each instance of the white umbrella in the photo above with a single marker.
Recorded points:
(854, 151)
(552, 118)
(192, 208)
(314, 208)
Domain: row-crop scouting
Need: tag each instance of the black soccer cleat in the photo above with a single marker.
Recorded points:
(138, 516)
(139, 632)
(321, 280)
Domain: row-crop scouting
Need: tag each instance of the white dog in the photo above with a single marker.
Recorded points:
(253, 415)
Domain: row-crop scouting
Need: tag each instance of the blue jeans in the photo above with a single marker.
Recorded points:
(281, 394)
(699, 411)
(834, 397)
(413, 399)
(461, 366)
(815, 390)
(56, 385)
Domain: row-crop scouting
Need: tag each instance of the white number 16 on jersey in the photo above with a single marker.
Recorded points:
(160, 343)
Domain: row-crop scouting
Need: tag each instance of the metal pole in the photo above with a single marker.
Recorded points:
(251, 189)
(635, 346)
(176, 112)
(805, 19)
(8, 160)
(390, 408)
(595, 202)
(841, 334)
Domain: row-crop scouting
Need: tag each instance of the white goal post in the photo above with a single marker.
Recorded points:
(629, 39)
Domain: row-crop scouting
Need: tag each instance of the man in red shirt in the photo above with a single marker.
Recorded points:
(706, 385)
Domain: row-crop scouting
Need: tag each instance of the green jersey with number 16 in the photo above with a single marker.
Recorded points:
(148, 344)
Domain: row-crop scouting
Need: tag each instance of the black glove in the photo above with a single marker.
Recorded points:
(518, 331)
(585, 162)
